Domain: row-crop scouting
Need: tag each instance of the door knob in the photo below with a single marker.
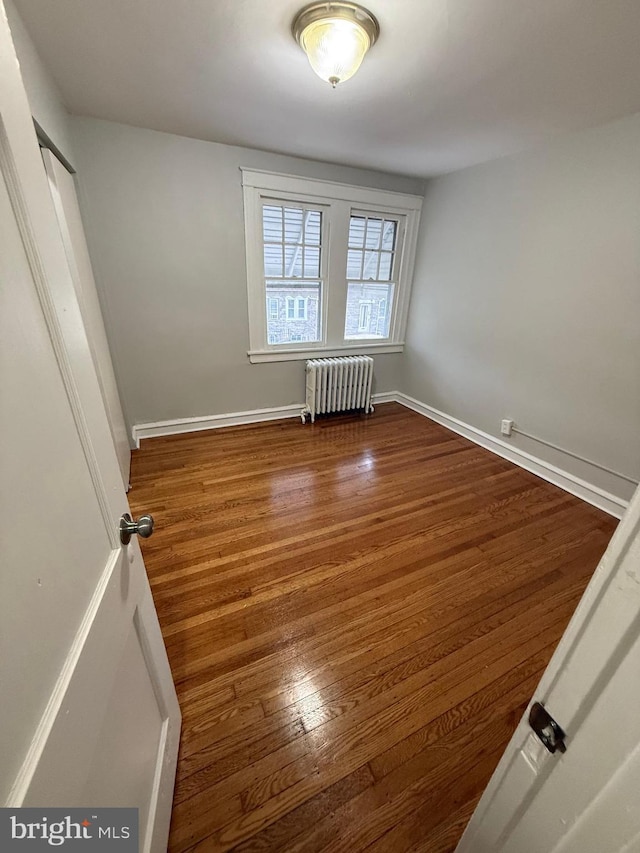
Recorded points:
(143, 527)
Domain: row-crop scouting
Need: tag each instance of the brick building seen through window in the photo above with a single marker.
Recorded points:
(292, 313)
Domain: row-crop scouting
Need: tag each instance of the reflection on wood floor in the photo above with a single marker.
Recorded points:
(356, 614)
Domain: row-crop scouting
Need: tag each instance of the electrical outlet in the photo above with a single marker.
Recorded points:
(506, 427)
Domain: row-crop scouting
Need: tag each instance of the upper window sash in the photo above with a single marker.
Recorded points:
(374, 246)
(292, 239)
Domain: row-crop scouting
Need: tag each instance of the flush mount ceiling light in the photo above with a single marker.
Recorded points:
(335, 37)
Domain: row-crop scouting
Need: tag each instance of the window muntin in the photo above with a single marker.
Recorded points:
(292, 259)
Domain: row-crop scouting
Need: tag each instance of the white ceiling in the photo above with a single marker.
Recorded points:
(450, 82)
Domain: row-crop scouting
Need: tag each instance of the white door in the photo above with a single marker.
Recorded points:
(89, 710)
(584, 800)
(65, 202)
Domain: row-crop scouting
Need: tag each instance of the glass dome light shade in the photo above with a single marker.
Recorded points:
(335, 48)
(335, 36)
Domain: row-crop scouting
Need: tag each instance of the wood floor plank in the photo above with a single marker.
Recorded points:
(281, 835)
(356, 613)
(363, 822)
(445, 836)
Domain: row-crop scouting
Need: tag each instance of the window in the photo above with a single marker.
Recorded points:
(297, 308)
(382, 317)
(291, 308)
(364, 317)
(371, 264)
(329, 266)
(292, 275)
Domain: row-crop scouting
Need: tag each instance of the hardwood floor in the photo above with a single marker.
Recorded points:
(356, 614)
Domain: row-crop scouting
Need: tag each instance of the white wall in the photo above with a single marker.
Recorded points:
(164, 221)
(45, 100)
(526, 299)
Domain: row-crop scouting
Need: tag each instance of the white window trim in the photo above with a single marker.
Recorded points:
(339, 201)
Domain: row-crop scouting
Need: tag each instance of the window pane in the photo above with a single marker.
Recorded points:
(292, 225)
(374, 232)
(370, 265)
(356, 232)
(272, 223)
(384, 273)
(293, 261)
(272, 260)
(354, 264)
(389, 235)
(299, 312)
(368, 313)
(312, 227)
(311, 261)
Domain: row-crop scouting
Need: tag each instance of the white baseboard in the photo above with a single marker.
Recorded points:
(385, 397)
(180, 425)
(175, 427)
(594, 495)
(161, 428)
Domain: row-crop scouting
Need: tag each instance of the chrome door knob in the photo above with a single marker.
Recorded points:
(143, 527)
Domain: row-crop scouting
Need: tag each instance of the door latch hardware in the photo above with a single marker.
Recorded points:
(549, 732)
(143, 527)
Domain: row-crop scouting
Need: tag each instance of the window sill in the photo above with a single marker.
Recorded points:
(299, 354)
